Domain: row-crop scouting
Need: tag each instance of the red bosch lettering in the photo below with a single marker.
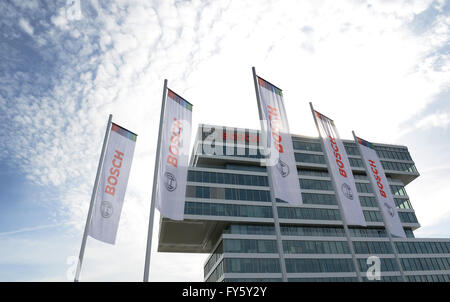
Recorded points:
(338, 156)
(174, 147)
(114, 172)
(275, 125)
(377, 177)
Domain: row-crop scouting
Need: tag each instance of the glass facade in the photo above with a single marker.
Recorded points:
(372, 247)
(252, 265)
(429, 278)
(250, 246)
(387, 265)
(426, 264)
(319, 265)
(230, 191)
(262, 194)
(250, 229)
(423, 247)
(295, 230)
(315, 247)
(223, 209)
(227, 178)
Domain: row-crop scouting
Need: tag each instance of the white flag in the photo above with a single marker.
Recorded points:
(174, 159)
(380, 186)
(112, 184)
(340, 170)
(278, 140)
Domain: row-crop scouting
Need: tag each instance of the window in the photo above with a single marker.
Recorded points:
(402, 203)
(315, 198)
(363, 187)
(307, 146)
(398, 190)
(340, 247)
(217, 209)
(397, 166)
(423, 264)
(407, 217)
(227, 178)
(255, 265)
(312, 184)
(318, 265)
(368, 201)
(372, 216)
(309, 158)
(355, 162)
(308, 213)
(319, 173)
(312, 231)
(333, 247)
(351, 149)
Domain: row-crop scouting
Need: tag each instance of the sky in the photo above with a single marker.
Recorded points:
(381, 68)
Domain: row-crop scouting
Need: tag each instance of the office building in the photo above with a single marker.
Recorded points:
(228, 214)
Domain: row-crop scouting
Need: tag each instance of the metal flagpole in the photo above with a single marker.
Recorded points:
(272, 196)
(394, 249)
(341, 211)
(91, 206)
(148, 251)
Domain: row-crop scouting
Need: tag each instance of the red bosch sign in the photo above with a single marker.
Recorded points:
(377, 177)
(172, 157)
(275, 124)
(338, 156)
(114, 172)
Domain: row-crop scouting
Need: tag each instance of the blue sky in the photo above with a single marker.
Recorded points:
(65, 65)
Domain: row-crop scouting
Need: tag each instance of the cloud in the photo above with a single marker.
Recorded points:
(353, 59)
(31, 229)
(434, 120)
(26, 26)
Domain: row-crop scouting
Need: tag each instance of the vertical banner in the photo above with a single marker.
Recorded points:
(340, 170)
(380, 186)
(174, 158)
(278, 142)
(112, 184)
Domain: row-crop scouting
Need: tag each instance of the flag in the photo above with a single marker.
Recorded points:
(278, 142)
(174, 157)
(112, 184)
(340, 171)
(380, 185)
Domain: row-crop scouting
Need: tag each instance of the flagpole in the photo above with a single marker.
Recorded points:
(148, 251)
(394, 249)
(91, 206)
(272, 192)
(341, 211)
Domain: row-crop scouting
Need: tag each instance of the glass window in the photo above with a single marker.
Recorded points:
(416, 247)
(340, 248)
(419, 264)
(333, 247)
(409, 249)
(400, 247)
(314, 264)
(415, 264)
(323, 265)
(405, 264)
(326, 247)
(388, 264)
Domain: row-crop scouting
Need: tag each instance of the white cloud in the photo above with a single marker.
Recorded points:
(26, 27)
(434, 120)
(31, 4)
(31, 229)
(429, 199)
